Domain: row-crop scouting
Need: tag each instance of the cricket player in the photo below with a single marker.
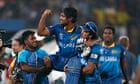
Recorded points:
(31, 60)
(84, 59)
(111, 62)
(90, 70)
(130, 58)
(66, 34)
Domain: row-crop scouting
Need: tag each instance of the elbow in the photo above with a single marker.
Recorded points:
(39, 33)
(23, 67)
(90, 71)
(87, 70)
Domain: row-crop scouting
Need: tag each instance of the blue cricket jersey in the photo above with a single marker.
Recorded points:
(109, 61)
(34, 59)
(94, 78)
(65, 40)
(67, 45)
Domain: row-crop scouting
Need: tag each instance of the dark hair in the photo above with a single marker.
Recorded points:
(109, 27)
(19, 40)
(70, 12)
(93, 35)
(26, 34)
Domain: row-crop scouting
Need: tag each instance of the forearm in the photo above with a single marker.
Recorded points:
(28, 68)
(42, 29)
(89, 68)
(123, 67)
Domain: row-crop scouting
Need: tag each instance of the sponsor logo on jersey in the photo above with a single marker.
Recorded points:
(95, 56)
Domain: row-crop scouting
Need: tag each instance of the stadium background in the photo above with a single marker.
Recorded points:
(16, 15)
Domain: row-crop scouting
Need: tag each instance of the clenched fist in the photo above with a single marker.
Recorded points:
(47, 13)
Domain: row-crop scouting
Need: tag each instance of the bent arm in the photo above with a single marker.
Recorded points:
(89, 68)
(42, 28)
(28, 68)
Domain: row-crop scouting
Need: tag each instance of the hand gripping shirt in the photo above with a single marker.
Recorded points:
(33, 59)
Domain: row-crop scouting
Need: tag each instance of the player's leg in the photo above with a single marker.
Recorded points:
(56, 62)
(116, 80)
(112, 81)
(73, 70)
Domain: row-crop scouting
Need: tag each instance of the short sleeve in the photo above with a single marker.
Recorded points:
(52, 29)
(94, 54)
(42, 53)
(22, 57)
(93, 58)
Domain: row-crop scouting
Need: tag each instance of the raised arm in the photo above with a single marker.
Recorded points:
(42, 28)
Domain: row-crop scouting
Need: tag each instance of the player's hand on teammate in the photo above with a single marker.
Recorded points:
(65, 68)
(86, 51)
(80, 45)
(45, 70)
(47, 13)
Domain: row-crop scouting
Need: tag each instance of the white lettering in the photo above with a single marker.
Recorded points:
(108, 58)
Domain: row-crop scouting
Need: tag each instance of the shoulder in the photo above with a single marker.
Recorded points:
(96, 47)
(119, 46)
(24, 52)
(78, 29)
(130, 53)
(41, 52)
(56, 25)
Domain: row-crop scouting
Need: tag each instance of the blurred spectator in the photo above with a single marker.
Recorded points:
(137, 79)
(130, 58)
(5, 60)
(17, 46)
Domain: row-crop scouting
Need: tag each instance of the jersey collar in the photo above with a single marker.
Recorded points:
(71, 30)
(112, 45)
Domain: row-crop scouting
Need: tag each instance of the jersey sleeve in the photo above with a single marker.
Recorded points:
(42, 53)
(53, 29)
(94, 54)
(22, 57)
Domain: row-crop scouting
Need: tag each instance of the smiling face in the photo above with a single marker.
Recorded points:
(108, 35)
(16, 46)
(31, 41)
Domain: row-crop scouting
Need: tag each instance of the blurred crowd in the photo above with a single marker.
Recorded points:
(123, 14)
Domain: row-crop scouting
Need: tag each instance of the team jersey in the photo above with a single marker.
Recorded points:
(109, 61)
(94, 78)
(65, 40)
(33, 59)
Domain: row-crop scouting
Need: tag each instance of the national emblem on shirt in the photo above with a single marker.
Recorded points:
(114, 51)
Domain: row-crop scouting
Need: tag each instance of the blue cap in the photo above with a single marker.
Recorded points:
(90, 26)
